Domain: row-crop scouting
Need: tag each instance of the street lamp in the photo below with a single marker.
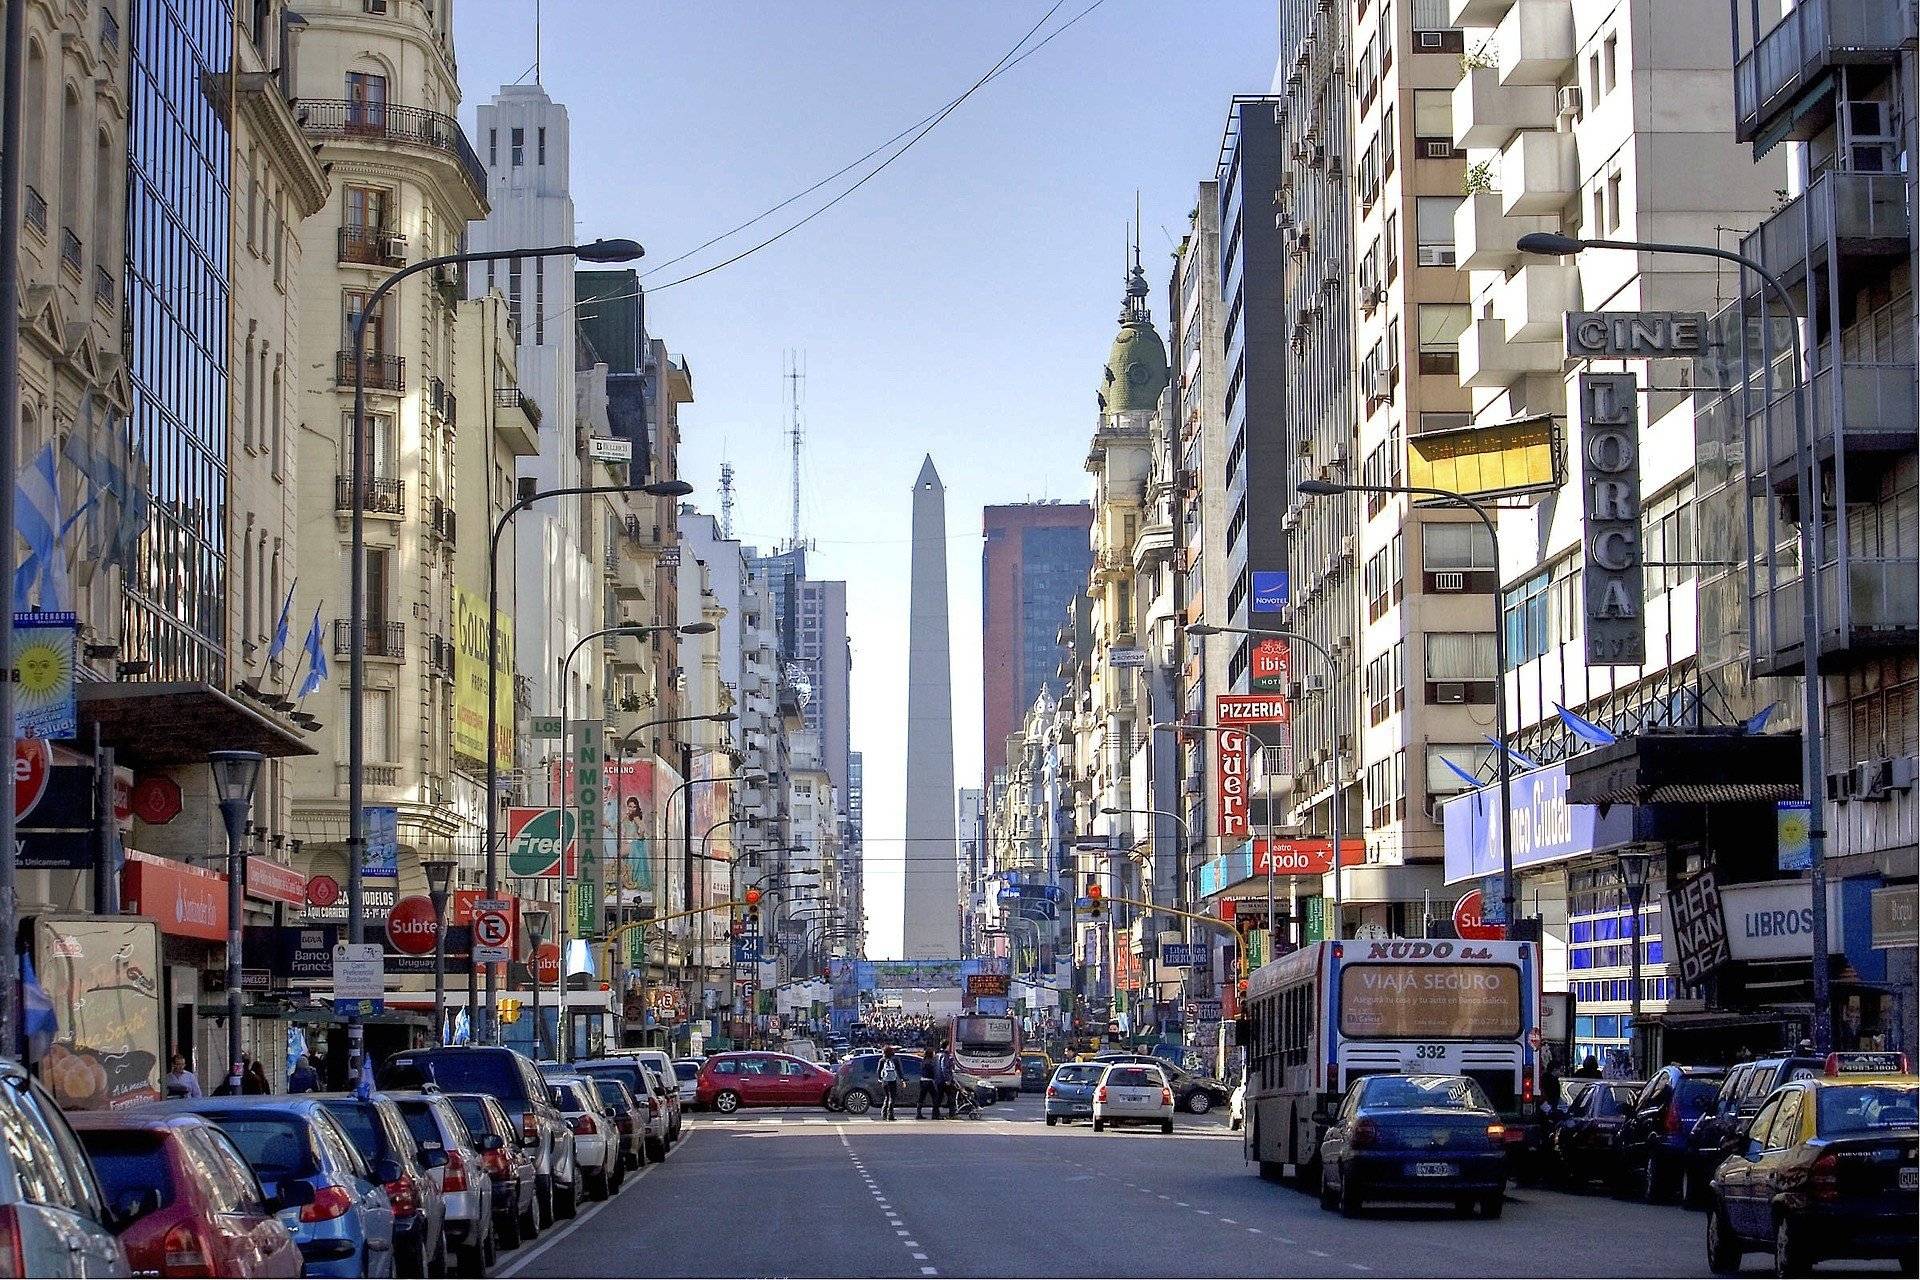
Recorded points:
(535, 920)
(1333, 822)
(1635, 864)
(235, 774)
(439, 873)
(1813, 764)
(597, 251)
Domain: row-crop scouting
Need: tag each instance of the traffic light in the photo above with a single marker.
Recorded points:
(1097, 907)
(753, 897)
(509, 1011)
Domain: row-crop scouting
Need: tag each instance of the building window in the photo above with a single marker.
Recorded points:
(352, 300)
(517, 148)
(1433, 121)
(540, 144)
(1610, 60)
(1476, 760)
(366, 102)
(1441, 324)
(1524, 615)
(1667, 536)
(1391, 240)
(1457, 557)
(1613, 202)
(1459, 667)
(493, 148)
(1389, 143)
(1433, 220)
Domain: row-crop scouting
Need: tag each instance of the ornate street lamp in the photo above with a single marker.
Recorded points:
(235, 774)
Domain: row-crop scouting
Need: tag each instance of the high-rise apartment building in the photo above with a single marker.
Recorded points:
(1035, 559)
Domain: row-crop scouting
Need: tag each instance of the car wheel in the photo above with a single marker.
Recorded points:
(656, 1149)
(1463, 1207)
(1723, 1247)
(856, 1102)
(507, 1232)
(1693, 1188)
(437, 1264)
(1491, 1206)
(1790, 1256)
(473, 1259)
(1350, 1204)
(1199, 1103)
(1098, 1124)
(529, 1224)
(726, 1102)
(1166, 1126)
(543, 1201)
(1329, 1196)
(566, 1201)
(1653, 1181)
(1051, 1120)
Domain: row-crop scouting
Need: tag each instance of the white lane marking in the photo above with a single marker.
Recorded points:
(1230, 1222)
(1183, 1204)
(1360, 1266)
(527, 1256)
(929, 1271)
(1319, 1253)
(919, 1257)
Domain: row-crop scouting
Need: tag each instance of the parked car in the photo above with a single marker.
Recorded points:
(1414, 1138)
(465, 1188)
(1826, 1169)
(1717, 1134)
(1069, 1093)
(596, 1140)
(686, 1075)
(856, 1082)
(511, 1079)
(510, 1166)
(1654, 1140)
(626, 1068)
(730, 1081)
(629, 1119)
(202, 1211)
(55, 1218)
(346, 1229)
(1191, 1093)
(1132, 1093)
(378, 1132)
(1585, 1143)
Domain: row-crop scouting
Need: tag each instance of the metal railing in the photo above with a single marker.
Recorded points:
(338, 118)
(508, 397)
(383, 495)
(1802, 44)
(1838, 205)
(103, 289)
(371, 246)
(384, 373)
(36, 211)
(70, 250)
(383, 639)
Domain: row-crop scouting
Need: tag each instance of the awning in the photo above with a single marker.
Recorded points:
(157, 725)
(1687, 768)
(1381, 882)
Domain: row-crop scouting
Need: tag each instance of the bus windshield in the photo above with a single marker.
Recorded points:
(974, 1032)
(1430, 1001)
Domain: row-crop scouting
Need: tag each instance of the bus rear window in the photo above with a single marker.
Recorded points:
(1429, 1002)
(984, 1033)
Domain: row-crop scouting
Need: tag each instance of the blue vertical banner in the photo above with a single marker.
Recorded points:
(382, 857)
(1270, 590)
(1793, 821)
(43, 658)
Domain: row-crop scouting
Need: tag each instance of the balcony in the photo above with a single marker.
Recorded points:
(1812, 38)
(1486, 113)
(379, 122)
(383, 639)
(1873, 607)
(70, 252)
(1484, 235)
(1539, 172)
(103, 289)
(1854, 215)
(36, 219)
(1533, 301)
(1535, 43)
(383, 495)
(1489, 359)
(372, 246)
(1874, 404)
(1477, 13)
(384, 373)
(509, 397)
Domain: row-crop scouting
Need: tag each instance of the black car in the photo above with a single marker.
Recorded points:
(1717, 1134)
(856, 1082)
(1654, 1142)
(1191, 1093)
(1827, 1168)
(1586, 1140)
(1414, 1138)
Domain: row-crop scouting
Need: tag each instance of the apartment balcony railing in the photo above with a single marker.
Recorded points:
(508, 397)
(1852, 214)
(36, 205)
(383, 639)
(382, 122)
(374, 775)
(1811, 38)
(383, 495)
(1539, 171)
(70, 252)
(103, 289)
(372, 246)
(1534, 43)
(1874, 407)
(384, 373)
(1484, 234)
(1486, 112)
(1874, 606)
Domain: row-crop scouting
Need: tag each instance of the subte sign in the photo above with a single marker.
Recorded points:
(1467, 922)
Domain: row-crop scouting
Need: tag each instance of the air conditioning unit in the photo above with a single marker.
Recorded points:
(1436, 149)
(1450, 692)
(1381, 386)
(1840, 786)
(1450, 580)
(1347, 547)
(1314, 684)
(1872, 779)
(1431, 39)
(1337, 458)
(1290, 520)
(1293, 691)
(1569, 101)
(395, 248)
(1371, 296)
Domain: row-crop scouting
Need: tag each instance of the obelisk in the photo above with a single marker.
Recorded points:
(930, 921)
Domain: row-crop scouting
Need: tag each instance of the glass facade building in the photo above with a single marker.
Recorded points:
(178, 191)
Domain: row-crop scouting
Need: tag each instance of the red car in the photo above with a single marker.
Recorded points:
(729, 1081)
(207, 1215)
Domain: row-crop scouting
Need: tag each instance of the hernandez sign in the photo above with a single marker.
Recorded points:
(1610, 495)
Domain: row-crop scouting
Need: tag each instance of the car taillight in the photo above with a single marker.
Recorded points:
(1052, 1092)
(653, 1106)
(184, 1253)
(1100, 1094)
(1826, 1178)
(404, 1195)
(585, 1124)
(529, 1126)
(1670, 1118)
(13, 1254)
(456, 1176)
(1166, 1097)
(496, 1164)
(328, 1203)
(1498, 1132)
(1366, 1134)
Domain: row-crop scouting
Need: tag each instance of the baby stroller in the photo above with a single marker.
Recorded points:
(972, 1097)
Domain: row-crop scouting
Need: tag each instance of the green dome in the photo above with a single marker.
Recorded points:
(1136, 371)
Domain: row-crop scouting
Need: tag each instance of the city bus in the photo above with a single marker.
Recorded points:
(1321, 1018)
(986, 1048)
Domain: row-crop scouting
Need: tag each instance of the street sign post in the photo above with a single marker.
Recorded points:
(492, 931)
(359, 977)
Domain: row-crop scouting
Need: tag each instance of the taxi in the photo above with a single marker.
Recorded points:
(1826, 1169)
(1036, 1069)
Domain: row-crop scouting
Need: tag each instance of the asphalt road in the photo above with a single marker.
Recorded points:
(806, 1193)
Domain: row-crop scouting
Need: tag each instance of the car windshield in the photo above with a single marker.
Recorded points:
(421, 1122)
(1396, 1092)
(362, 1126)
(1077, 1073)
(1615, 1099)
(461, 1071)
(611, 1092)
(276, 1147)
(473, 1111)
(1133, 1077)
(1697, 1093)
(1868, 1108)
(686, 1070)
(567, 1097)
(130, 1162)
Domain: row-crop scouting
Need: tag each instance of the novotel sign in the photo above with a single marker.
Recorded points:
(1635, 335)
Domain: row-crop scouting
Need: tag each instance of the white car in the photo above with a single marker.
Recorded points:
(1133, 1093)
(686, 1073)
(1237, 1107)
(596, 1139)
(447, 1149)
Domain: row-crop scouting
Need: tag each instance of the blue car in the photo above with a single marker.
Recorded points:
(1414, 1138)
(345, 1228)
(1070, 1092)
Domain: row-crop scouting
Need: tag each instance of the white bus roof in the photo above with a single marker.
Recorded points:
(1290, 968)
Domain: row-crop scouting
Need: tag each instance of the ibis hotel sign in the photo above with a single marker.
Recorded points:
(1615, 576)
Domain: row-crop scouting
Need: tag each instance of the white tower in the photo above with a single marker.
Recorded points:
(930, 923)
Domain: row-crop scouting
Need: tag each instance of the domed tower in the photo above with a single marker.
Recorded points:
(1136, 371)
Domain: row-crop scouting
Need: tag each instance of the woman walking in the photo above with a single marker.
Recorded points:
(889, 1077)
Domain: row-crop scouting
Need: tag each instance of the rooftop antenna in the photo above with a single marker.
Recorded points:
(536, 41)
(726, 501)
(795, 374)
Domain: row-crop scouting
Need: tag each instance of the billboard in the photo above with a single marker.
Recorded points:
(535, 839)
(470, 679)
(1524, 456)
(102, 974)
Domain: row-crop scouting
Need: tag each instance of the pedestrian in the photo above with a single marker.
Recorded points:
(949, 1077)
(225, 1088)
(1589, 1069)
(255, 1081)
(929, 1084)
(889, 1077)
(303, 1078)
(181, 1081)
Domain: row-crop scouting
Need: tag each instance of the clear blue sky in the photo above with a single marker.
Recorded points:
(960, 304)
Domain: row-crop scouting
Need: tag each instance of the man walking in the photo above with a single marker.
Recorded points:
(929, 1084)
(889, 1077)
(949, 1077)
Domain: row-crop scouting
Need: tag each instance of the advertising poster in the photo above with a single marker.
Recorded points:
(470, 679)
(103, 977)
(383, 843)
(43, 654)
(535, 839)
(629, 811)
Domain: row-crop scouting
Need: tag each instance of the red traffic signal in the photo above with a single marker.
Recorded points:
(753, 897)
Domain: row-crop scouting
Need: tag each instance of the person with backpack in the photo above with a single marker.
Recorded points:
(929, 1084)
(889, 1076)
(947, 1073)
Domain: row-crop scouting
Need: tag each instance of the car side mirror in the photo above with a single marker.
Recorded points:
(490, 1142)
(1751, 1149)
(387, 1170)
(433, 1156)
(292, 1193)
